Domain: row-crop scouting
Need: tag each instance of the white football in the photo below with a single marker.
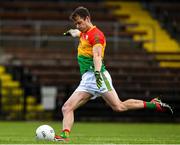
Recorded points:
(45, 132)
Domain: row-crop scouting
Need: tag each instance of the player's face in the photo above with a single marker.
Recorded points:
(81, 24)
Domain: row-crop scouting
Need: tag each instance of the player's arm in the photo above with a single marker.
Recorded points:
(73, 33)
(97, 60)
(97, 57)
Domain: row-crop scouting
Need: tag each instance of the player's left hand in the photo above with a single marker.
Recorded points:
(72, 32)
(98, 79)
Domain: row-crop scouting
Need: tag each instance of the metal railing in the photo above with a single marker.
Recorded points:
(37, 38)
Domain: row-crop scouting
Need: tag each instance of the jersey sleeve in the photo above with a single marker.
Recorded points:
(96, 38)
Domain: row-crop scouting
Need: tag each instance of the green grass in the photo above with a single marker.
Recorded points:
(94, 133)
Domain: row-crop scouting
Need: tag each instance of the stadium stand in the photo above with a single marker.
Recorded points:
(11, 95)
(36, 55)
(169, 19)
(13, 98)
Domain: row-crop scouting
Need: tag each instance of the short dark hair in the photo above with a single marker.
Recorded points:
(80, 11)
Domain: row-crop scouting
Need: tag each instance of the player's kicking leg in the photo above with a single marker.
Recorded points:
(112, 99)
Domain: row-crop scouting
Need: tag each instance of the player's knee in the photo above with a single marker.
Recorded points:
(119, 108)
(66, 108)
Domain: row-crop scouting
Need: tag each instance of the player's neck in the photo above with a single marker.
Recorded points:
(89, 27)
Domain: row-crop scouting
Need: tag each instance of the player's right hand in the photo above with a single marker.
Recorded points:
(72, 32)
(98, 79)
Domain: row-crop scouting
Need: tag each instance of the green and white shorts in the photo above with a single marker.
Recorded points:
(88, 84)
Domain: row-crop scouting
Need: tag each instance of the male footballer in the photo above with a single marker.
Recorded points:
(96, 80)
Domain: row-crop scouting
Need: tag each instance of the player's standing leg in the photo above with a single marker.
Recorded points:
(77, 99)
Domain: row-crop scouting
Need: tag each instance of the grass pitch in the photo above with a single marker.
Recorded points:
(94, 133)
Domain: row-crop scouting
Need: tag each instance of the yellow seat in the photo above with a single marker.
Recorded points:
(39, 108)
(17, 92)
(2, 69)
(30, 108)
(30, 100)
(11, 84)
(5, 91)
(4, 100)
(17, 107)
(5, 77)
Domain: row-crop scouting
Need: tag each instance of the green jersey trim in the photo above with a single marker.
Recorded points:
(86, 64)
